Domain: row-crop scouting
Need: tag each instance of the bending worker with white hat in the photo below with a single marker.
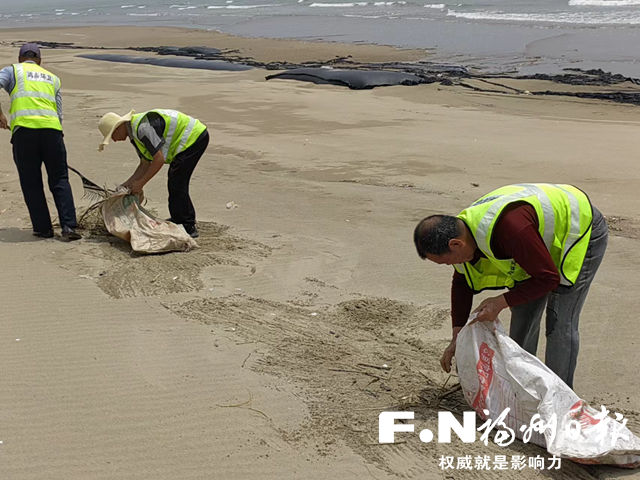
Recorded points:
(161, 136)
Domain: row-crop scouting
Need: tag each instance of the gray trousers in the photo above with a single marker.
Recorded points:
(563, 306)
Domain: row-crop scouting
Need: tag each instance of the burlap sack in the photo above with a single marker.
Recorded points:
(125, 218)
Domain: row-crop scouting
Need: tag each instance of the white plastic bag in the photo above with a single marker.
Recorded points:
(126, 219)
(496, 373)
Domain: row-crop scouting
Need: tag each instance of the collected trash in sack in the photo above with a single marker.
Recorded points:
(497, 374)
(125, 218)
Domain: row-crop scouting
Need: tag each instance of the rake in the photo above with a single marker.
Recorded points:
(92, 190)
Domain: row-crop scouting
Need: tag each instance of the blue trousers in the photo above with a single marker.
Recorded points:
(31, 148)
(563, 307)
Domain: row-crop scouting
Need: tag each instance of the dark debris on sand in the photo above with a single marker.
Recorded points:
(345, 71)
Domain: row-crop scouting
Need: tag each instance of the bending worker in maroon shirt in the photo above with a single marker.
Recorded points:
(543, 242)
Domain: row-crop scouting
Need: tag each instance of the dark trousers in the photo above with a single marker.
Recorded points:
(31, 148)
(180, 170)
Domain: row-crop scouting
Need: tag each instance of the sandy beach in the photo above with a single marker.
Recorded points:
(255, 355)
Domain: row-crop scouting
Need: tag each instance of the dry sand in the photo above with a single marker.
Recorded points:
(254, 356)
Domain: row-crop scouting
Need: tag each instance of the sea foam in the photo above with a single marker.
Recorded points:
(587, 18)
(603, 3)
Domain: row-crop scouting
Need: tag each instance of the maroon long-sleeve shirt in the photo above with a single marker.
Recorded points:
(515, 235)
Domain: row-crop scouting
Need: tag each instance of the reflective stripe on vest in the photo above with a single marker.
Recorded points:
(180, 132)
(564, 216)
(186, 134)
(33, 98)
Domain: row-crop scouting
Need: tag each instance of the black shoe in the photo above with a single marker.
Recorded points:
(69, 234)
(191, 230)
(47, 234)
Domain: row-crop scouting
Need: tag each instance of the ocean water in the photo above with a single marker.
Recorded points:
(495, 35)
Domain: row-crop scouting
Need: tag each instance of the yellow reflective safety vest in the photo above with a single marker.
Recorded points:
(564, 215)
(180, 132)
(33, 98)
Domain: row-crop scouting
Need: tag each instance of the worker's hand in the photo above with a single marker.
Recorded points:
(3, 122)
(136, 187)
(447, 356)
(120, 189)
(489, 309)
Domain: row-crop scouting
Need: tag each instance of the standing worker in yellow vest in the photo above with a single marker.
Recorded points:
(543, 242)
(35, 120)
(161, 136)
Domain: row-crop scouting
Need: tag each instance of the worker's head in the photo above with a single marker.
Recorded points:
(29, 52)
(444, 239)
(113, 127)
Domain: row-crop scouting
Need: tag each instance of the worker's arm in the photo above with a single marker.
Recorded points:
(461, 301)
(148, 173)
(450, 351)
(148, 132)
(59, 105)
(7, 80)
(138, 173)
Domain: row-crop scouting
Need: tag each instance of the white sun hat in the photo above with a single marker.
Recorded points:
(108, 123)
